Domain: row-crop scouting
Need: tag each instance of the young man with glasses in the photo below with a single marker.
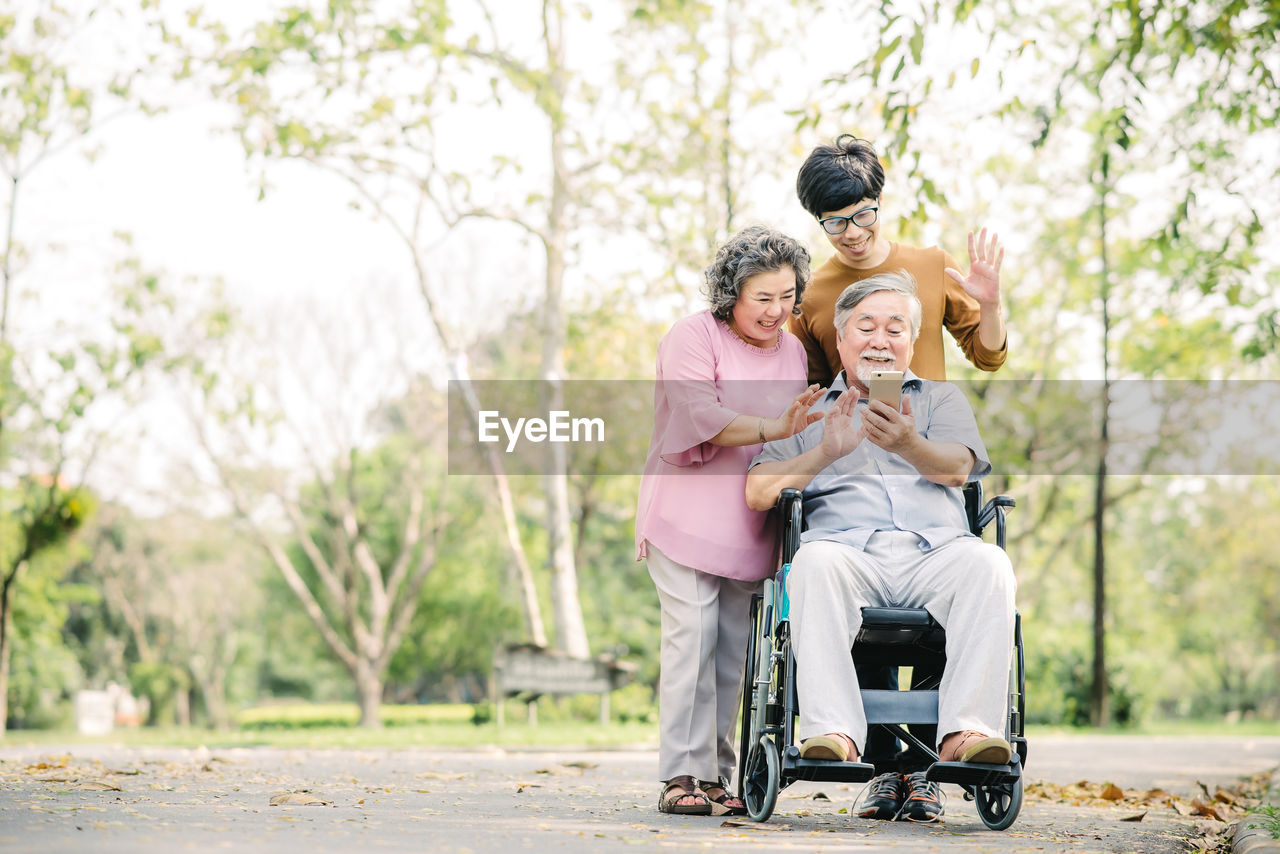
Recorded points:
(841, 185)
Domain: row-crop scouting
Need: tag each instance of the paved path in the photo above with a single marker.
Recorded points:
(117, 799)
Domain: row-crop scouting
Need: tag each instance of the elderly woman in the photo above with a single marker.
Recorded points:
(728, 379)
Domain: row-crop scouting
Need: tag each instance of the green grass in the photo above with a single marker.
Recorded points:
(310, 715)
(565, 734)
(334, 725)
(1169, 728)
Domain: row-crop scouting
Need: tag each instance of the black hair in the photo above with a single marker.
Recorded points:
(836, 176)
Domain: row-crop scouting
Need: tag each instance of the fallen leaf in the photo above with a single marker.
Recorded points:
(97, 786)
(560, 770)
(299, 798)
(1112, 792)
(581, 764)
(1201, 808)
(755, 825)
(820, 796)
(1137, 817)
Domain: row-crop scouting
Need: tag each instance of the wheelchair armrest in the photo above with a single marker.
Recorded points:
(785, 499)
(988, 511)
(994, 509)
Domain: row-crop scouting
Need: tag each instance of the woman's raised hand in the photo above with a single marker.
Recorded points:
(796, 416)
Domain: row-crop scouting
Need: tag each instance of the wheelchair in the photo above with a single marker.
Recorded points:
(768, 758)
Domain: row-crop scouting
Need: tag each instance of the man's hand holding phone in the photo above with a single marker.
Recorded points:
(887, 421)
(886, 386)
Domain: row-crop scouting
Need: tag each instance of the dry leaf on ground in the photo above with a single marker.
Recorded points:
(754, 825)
(301, 799)
(560, 771)
(1201, 808)
(97, 786)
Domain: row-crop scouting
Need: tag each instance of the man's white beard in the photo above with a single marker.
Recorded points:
(862, 370)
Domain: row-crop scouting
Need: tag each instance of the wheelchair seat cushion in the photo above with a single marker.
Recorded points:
(897, 618)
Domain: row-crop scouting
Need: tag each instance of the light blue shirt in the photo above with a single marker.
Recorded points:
(871, 489)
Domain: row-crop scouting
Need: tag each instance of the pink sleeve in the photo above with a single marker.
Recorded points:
(687, 372)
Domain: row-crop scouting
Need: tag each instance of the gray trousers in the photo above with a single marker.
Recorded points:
(704, 644)
(968, 587)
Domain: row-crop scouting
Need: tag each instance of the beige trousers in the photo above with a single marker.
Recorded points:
(967, 585)
(704, 643)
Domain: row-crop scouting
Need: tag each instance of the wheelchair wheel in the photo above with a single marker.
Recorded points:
(998, 805)
(762, 779)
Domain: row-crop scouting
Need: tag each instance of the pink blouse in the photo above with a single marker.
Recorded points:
(692, 497)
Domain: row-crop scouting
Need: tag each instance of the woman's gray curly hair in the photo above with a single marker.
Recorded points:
(755, 249)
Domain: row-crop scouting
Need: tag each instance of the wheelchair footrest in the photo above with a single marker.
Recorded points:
(825, 770)
(973, 773)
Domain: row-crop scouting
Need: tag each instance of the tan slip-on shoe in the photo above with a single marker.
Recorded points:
(834, 746)
(973, 746)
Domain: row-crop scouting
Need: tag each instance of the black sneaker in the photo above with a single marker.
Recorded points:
(884, 797)
(922, 799)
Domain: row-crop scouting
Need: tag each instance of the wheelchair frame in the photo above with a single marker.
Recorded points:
(768, 758)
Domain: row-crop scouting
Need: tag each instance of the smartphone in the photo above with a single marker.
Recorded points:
(887, 386)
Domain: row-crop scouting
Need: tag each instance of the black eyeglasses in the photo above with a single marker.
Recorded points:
(864, 218)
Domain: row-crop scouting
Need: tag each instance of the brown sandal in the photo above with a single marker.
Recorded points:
(677, 790)
(725, 804)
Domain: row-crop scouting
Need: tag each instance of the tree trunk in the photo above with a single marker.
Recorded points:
(369, 689)
(182, 706)
(571, 632)
(4, 674)
(215, 702)
(1099, 699)
(529, 605)
(6, 644)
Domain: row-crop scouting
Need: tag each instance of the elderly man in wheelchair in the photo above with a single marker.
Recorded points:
(887, 527)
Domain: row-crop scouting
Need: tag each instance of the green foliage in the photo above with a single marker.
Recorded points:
(292, 662)
(1267, 818)
(44, 672)
(470, 587)
(161, 682)
(48, 513)
(297, 716)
